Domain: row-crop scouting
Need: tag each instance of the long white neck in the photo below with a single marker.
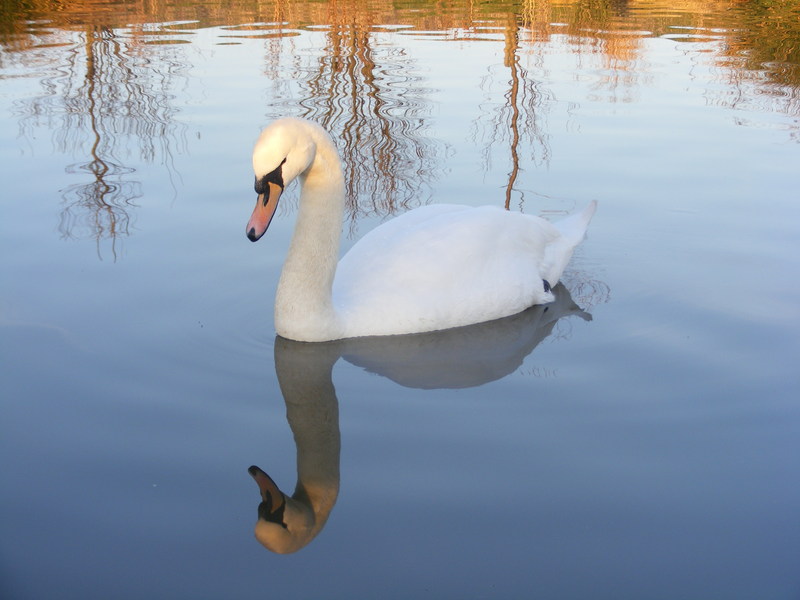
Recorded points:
(303, 305)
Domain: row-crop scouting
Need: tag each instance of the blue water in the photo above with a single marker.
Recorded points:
(651, 451)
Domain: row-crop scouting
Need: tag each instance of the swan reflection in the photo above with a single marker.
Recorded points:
(465, 356)
(456, 358)
(287, 523)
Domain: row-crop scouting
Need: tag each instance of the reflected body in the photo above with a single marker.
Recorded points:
(432, 268)
(458, 358)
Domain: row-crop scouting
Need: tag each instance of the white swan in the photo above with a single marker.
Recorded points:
(432, 268)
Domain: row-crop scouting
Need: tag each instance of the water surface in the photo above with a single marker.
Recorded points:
(648, 451)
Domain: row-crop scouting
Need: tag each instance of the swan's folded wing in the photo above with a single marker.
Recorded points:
(442, 266)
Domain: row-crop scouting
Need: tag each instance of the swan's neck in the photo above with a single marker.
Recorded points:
(303, 304)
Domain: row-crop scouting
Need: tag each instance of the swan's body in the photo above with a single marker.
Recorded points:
(435, 267)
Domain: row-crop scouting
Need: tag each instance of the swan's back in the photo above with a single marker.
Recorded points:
(444, 266)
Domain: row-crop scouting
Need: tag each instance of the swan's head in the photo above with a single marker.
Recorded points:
(284, 525)
(284, 150)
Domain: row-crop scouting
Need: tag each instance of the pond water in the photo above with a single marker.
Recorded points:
(640, 439)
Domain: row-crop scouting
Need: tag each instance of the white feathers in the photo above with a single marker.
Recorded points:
(435, 267)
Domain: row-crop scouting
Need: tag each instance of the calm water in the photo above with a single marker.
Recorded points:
(650, 451)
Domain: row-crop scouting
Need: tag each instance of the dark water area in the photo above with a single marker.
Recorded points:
(639, 439)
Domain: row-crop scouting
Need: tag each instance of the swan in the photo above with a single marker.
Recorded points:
(435, 267)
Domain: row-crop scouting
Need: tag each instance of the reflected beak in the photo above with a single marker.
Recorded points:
(263, 212)
(273, 502)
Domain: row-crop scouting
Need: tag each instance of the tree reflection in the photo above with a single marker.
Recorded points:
(107, 96)
(109, 100)
(765, 44)
(519, 117)
(367, 94)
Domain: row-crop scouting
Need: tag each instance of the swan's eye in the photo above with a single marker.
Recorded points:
(275, 176)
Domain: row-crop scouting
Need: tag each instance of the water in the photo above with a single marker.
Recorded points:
(650, 451)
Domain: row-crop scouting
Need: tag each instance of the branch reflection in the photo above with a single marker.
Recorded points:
(519, 118)
(111, 65)
(109, 99)
(366, 92)
(457, 358)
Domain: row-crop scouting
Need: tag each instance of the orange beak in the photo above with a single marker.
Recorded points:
(264, 211)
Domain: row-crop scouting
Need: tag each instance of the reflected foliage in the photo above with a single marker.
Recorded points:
(517, 115)
(766, 43)
(107, 68)
(113, 104)
(366, 92)
(105, 96)
(764, 33)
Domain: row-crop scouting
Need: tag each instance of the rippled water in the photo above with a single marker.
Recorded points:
(638, 439)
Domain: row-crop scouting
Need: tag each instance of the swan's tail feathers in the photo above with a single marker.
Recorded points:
(573, 227)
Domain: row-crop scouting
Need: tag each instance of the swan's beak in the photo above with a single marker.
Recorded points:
(264, 211)
(273, 502)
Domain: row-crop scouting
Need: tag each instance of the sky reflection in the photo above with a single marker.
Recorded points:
(113, 69)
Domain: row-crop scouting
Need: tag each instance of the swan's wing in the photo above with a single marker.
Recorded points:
(442, 266)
